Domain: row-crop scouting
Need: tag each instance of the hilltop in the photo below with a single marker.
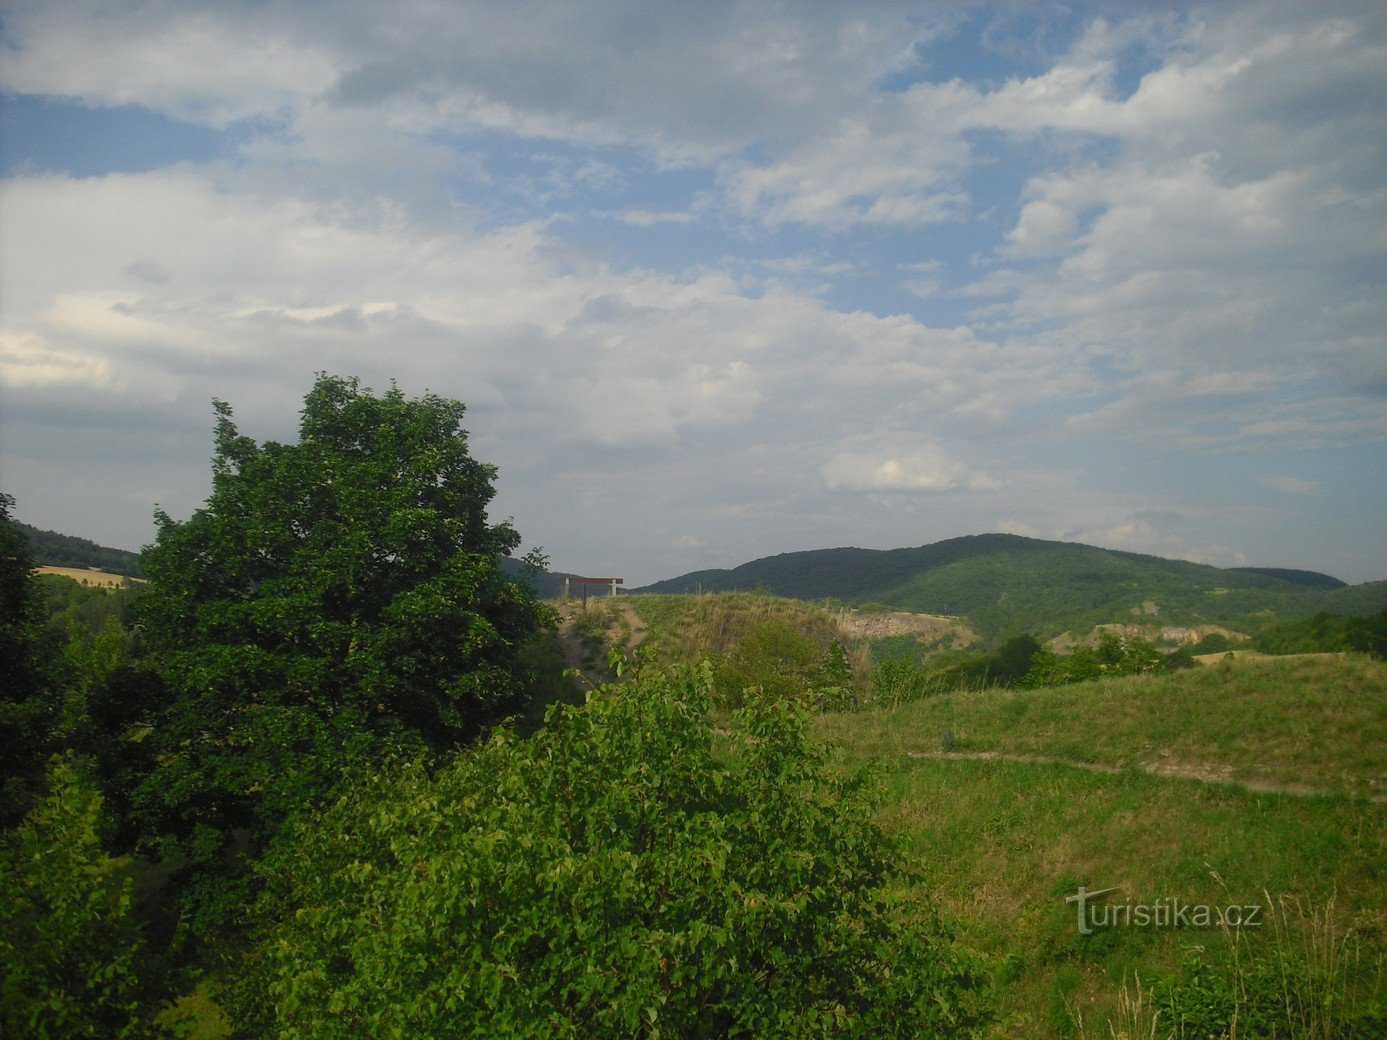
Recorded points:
(51, 549)
(1006, 583)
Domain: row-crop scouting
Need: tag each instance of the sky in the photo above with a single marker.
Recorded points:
(718, 280)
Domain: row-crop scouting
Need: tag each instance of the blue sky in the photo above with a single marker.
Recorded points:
(721, 280)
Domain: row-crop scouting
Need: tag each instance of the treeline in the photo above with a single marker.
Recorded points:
(1326, 633)
(286, 789)
(51, 549)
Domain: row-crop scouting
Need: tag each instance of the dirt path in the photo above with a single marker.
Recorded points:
(586, 655)
(1206, 774)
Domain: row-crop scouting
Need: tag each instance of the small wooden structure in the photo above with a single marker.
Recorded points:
(572, 579)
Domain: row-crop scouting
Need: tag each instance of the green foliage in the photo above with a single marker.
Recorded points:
(623, 872)
(1326, 633)
(1013, 658)
(771, 654)
(334, 599)
(1213, 643)
(67, 940)
(1114, 655)
(72, 605)
(755, 642)
(1313, 985)
(899, 680)
(837, 690)
(29, 701)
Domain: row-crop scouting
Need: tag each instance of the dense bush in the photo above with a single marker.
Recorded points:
(68, 941)
(896, 680)
(1114, 655)
(624, 872)
(72, 605)
(30, 699)
(1326, 633)
(1314, 987)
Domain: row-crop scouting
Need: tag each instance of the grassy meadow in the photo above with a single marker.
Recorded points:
(999, 842)
(1307, 724)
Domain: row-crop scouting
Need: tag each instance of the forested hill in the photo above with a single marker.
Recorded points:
(51, 549)
(1007, 583)
(1310, 579)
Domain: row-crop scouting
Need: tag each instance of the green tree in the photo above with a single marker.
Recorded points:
(29, 699)
(334, 599)
(68, 942)
(623, 872)
(1013, 658)
(1114, 655)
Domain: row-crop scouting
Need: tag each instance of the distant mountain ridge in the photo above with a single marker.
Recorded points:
(1310, 579)
(1007, 583)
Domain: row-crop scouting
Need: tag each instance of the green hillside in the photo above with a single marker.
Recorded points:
(1006, 583)
(1255, 783)
(51, 549)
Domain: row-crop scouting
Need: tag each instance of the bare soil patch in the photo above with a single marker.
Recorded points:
(927, 628)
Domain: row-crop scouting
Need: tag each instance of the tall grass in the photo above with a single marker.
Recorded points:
(1312, 979)
(1318, 723)
(999, 843)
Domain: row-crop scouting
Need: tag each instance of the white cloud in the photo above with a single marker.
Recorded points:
(1288, 485)
(202, 65)
(926, 468)
(1192, 263)
(649, 218)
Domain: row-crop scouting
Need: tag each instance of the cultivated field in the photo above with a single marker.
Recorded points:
(91, 576)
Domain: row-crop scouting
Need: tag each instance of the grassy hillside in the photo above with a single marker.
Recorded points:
(1316, 722)
(1000, 841)
(1006, 584)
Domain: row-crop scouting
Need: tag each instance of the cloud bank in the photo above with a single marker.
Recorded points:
(728, 280)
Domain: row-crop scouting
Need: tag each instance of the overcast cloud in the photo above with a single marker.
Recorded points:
(719, 280)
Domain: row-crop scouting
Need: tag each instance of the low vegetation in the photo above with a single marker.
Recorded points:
(1009, 800)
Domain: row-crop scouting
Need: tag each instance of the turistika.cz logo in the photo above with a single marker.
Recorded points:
(1094, 912)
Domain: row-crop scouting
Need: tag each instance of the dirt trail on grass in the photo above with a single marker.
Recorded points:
(1221, 775)
(587, 655)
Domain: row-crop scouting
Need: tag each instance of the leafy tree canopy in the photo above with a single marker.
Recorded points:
(623, 872)
(68, 940)
(334, 598)
(1114, 655)
(29, 702)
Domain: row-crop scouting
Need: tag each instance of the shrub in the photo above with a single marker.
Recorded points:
(620, 873)
(67, 940)
(1114, 655)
